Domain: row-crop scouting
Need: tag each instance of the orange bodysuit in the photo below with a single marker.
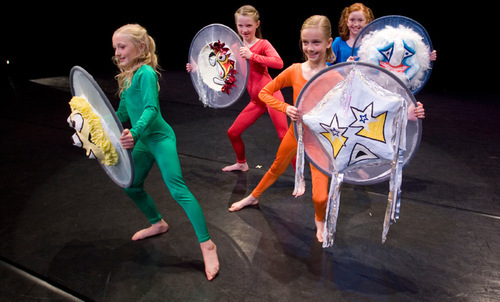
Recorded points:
(290, 77)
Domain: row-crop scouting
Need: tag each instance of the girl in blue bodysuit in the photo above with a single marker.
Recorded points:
(352, 20)
(152, 139)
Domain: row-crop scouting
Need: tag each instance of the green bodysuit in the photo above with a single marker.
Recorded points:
(155, 141)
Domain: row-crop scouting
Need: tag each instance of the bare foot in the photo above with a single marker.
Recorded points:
(247, 201)
(320, 228)
(210, 258)
(154, 229)
(236, 167)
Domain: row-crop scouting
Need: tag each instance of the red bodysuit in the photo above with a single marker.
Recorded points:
(264, 56)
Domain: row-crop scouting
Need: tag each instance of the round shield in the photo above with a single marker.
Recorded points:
(219, 74)
(381, 83)
(399, 44)
(83, 85)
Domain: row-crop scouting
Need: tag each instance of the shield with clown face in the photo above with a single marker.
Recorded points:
(219, 74)
(398, 44)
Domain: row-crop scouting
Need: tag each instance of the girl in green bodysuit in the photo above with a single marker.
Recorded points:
(152, 139)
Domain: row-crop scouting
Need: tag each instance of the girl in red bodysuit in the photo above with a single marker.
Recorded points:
(316, 44)
(261, 55)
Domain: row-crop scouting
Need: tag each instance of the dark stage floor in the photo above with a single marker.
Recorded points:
(65, 228)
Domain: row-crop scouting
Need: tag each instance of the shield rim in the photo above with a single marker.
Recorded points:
(126, 183)
(200, 32)
(367, 29)
(380, 177)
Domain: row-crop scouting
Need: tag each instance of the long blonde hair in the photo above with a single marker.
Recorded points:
(321, 22)
(147, 54)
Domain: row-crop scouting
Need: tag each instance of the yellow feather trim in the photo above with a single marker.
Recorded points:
(100, 142)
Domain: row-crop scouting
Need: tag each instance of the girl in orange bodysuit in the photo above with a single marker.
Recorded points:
(316, 42)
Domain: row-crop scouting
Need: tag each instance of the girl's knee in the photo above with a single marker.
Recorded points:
(281, 132)
(133, 190)
(233, 133)
(320, 199)
(180, 192)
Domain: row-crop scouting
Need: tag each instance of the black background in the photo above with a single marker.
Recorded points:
(45, 39)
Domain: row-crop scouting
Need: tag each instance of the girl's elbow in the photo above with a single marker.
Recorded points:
(279, 63)
(262, 94)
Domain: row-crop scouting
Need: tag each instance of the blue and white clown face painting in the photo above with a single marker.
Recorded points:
(400, 50)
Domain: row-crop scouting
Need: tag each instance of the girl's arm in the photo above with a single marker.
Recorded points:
(147, 117)
(266, 94)
(270, 58)
(122, 113)
(148, 83)
(130, 136)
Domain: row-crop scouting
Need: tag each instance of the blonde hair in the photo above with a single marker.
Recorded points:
(321, 22)
(249, 11)
(343, 28)
(147, 54)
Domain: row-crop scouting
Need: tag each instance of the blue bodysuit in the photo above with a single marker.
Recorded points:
(341, 50)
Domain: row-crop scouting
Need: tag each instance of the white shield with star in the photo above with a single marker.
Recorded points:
(356, 122)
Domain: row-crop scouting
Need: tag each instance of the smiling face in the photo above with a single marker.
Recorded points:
(355, 22)
(246, 27)
(314, 44)
(125, 51)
